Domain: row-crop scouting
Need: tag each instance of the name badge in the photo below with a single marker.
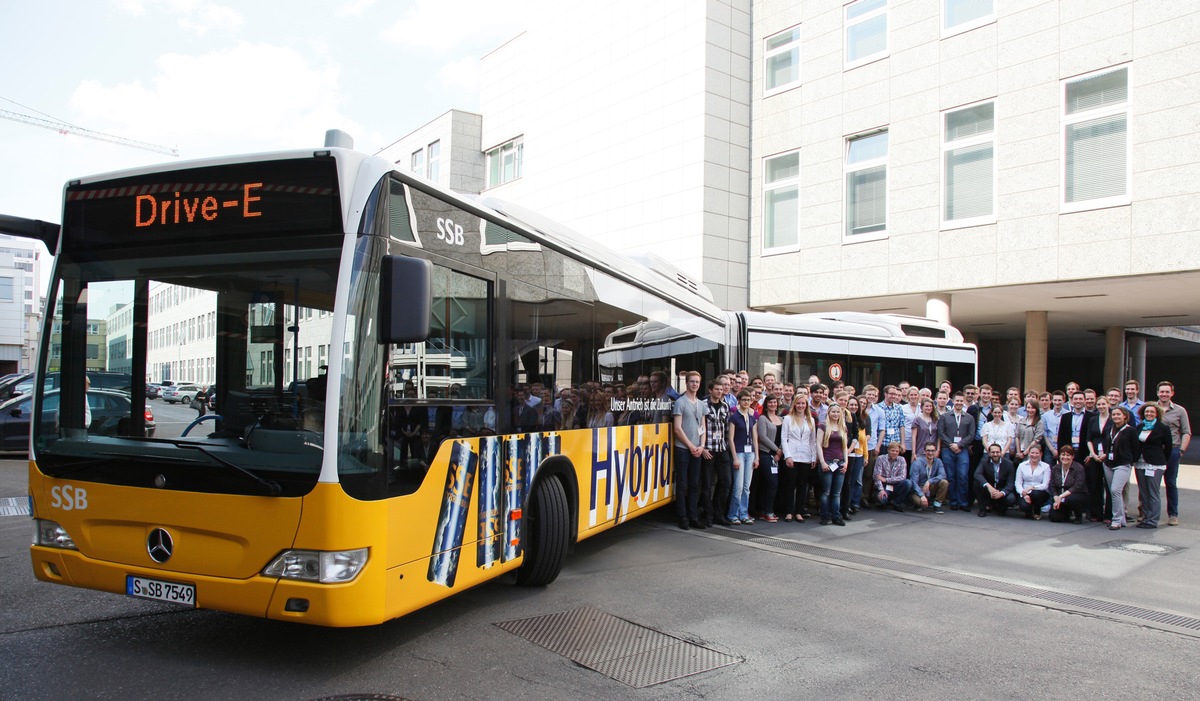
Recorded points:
(958, 439)
(748, 450)
(889, 487)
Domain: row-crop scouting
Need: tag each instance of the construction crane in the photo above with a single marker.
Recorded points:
(64, 128)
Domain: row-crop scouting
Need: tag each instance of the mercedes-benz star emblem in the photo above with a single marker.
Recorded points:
(159, 545)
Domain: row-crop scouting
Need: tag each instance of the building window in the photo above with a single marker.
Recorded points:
(6, 289)
(781, 201)
(962, 15)
(434, 156)
(1096, 163)
(969, 166)
(866, 32)
(504, 163)
(418, 162)
(782, 61)
(866, 185)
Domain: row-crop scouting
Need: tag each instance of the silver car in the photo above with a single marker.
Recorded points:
(180, 393)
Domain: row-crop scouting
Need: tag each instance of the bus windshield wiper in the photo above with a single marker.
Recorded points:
(273, 488)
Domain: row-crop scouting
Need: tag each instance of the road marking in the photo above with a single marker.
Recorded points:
(14, 506)
(964, 581)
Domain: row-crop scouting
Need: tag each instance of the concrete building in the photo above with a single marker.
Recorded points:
(629, 122)
(1020, 168)
(21, 299)
(447, 151)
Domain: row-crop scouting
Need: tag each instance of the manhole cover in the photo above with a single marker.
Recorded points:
(617, 648)
(1137, 546)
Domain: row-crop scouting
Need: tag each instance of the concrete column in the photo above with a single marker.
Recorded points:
(1036, 342)
(937, 307)
(1137, 363)
(1114, 357)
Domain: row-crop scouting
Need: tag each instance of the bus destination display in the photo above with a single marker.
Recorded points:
(292, 197)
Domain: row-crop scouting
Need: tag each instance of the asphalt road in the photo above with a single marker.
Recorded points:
(895, 606)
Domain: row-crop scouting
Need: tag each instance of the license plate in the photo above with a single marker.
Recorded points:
(143, 588)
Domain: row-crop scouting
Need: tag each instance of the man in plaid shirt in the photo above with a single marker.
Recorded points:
(716, 462)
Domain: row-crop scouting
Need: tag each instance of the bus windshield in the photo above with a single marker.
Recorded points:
(219, 344)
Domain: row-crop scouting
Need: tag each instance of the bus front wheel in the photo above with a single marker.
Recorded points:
(547, 529)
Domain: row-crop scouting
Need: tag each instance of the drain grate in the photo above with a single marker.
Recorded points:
(14, 506)
(1074, 601)
(1136, 546)
(619, 649)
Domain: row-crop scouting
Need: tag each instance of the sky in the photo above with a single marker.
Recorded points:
(215, 78)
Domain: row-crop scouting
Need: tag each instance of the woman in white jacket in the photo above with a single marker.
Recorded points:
(799, 455)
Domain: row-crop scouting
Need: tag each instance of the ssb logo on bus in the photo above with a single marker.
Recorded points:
(449, 232)
(68, 498)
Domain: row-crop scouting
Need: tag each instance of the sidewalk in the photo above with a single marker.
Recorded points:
(1189, 477)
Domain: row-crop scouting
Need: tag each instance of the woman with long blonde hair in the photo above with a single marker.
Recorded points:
(799, 454)
(834, 440)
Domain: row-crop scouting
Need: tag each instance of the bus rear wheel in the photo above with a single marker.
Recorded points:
(547, 529)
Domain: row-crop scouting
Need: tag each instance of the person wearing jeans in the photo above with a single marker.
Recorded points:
(834, 444)
(956, 429)
(1176, 419)
(852, 484)
(1121, 449)
(743, 437)
(715, 476)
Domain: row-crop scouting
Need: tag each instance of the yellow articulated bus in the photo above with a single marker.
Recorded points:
(408, 391)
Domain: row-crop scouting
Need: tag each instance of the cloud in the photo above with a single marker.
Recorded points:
(444, 26)
(251, 97)
(137, 8)
(196, 16)
(204, 16)
(355, 8)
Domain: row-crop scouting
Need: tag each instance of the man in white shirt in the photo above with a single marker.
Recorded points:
(1050, 421)
(1176, 419)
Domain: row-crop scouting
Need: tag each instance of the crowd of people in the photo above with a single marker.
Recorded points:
(751, 448)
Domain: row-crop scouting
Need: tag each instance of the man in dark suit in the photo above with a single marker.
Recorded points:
(956, 430)
(995, 482)
(981, 411)
(1073, 425)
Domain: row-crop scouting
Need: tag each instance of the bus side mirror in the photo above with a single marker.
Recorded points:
(405, 299)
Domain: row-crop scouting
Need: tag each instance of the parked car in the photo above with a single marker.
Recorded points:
(9, 385)
(180, 393)
(101, 379)
(108, 408)
(153, 391)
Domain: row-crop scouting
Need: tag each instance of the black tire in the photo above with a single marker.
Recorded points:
(547, 535)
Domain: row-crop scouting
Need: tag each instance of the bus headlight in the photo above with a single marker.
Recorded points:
(51, 535)
(326, 567)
